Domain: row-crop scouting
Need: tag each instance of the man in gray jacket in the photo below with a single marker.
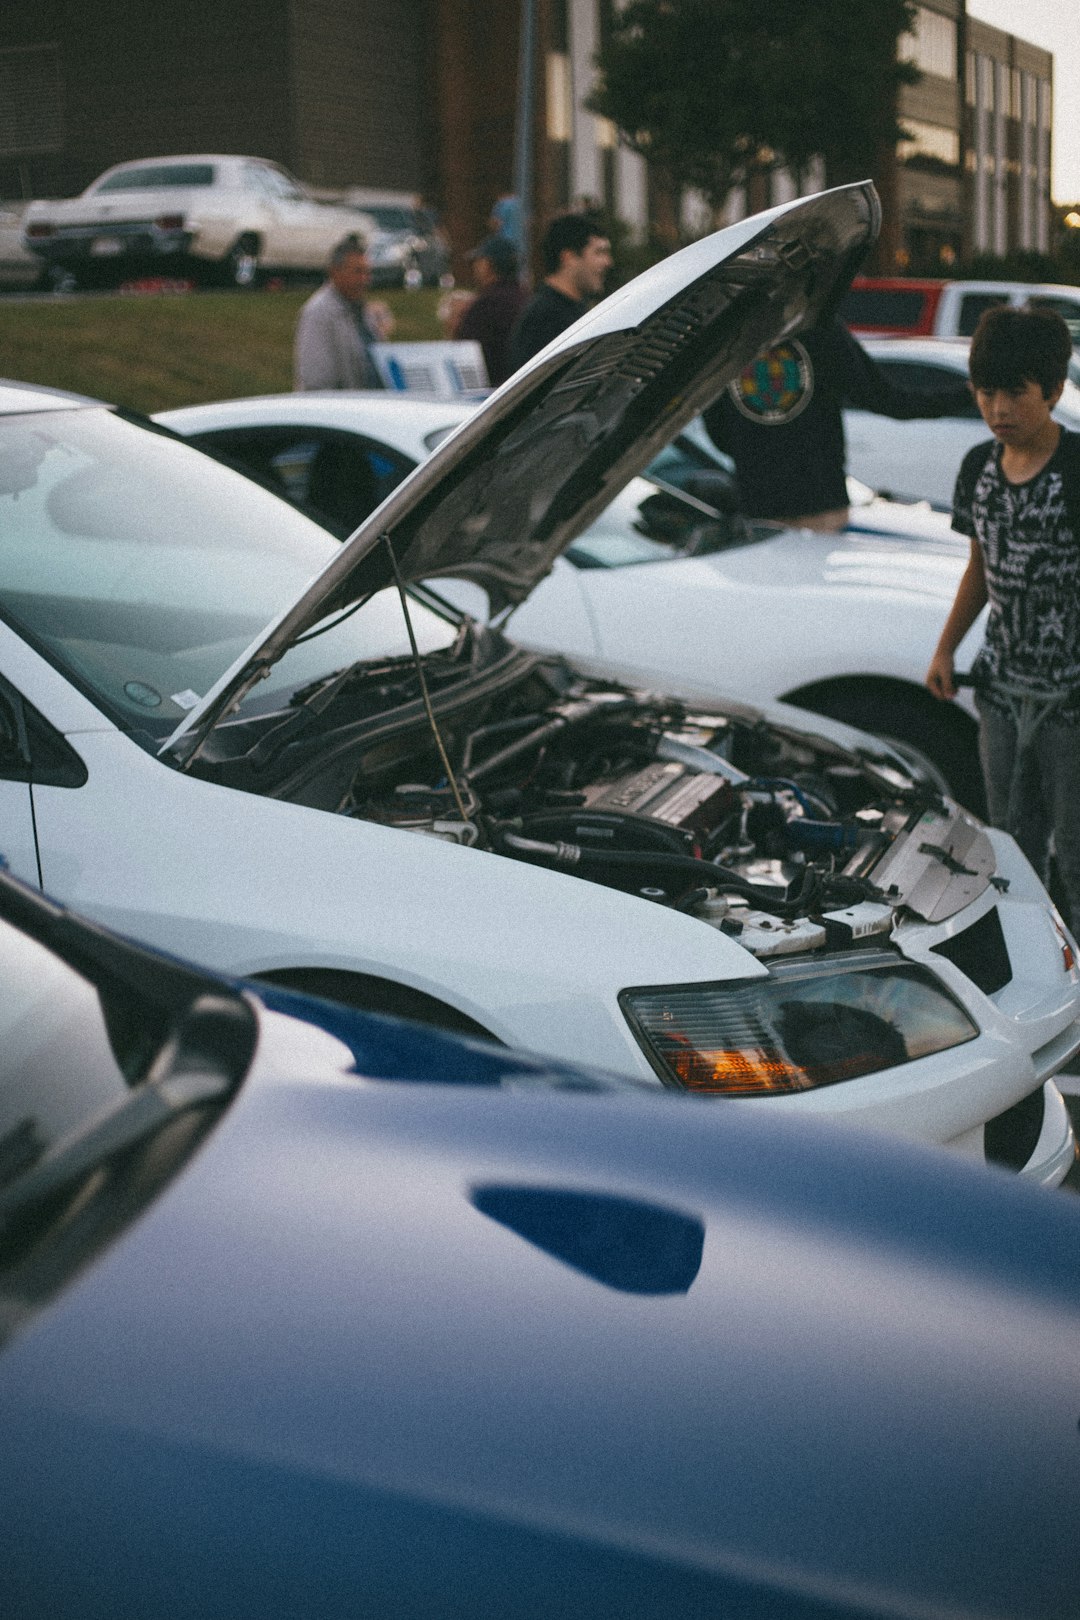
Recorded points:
(334, 330)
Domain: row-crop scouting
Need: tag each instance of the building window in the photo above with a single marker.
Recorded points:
(933, 147)
(932, 43)
(986, 74)
(31, 103)
(560, 97)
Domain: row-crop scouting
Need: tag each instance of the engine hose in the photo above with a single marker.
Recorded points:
(572, 714)
(648, 864)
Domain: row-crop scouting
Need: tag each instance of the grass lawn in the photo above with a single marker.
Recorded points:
(151, 351)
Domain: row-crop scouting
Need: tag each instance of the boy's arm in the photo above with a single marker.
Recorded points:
(968, 604)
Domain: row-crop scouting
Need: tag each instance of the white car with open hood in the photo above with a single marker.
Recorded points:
(220, 734)
(670, 587)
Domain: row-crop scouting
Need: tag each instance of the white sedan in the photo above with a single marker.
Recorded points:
(667, 587)
(222, 732)
(919, 460)
(231, 218)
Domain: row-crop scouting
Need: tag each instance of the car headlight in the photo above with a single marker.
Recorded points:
(808, 1024)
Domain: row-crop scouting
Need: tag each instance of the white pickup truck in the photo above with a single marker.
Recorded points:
(896, 306)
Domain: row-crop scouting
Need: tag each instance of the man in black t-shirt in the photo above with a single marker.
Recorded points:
(1018, 500)
(781, 423)
(577, 257)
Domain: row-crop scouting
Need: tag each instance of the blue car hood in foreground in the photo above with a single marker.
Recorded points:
(387, 1350)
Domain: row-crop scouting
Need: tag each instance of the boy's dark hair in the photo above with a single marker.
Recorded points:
(1012, 347)
(568, 233)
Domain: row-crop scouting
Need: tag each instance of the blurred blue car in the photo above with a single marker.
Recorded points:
(292, 1326)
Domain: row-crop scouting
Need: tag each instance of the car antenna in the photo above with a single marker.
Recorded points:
(419, 664)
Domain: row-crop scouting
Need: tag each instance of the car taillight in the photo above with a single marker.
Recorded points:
(39, 229)
(170, 222)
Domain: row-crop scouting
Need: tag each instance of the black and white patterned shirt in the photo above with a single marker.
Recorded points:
(1029, 535)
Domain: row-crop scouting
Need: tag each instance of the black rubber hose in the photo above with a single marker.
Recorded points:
(653, 865)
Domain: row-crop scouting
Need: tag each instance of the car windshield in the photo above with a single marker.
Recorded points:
(151, 176)
(392, 219)
(143, 569)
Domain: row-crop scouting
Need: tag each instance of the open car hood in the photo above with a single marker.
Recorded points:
(506, 493)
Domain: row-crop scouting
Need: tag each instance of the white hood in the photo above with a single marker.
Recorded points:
(502, 496)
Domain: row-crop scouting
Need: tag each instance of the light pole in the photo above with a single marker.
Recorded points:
(523, 133)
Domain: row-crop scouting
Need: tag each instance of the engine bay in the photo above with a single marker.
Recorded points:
(776, 834)
(772, 837)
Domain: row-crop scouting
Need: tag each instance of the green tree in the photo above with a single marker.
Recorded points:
(709, 90)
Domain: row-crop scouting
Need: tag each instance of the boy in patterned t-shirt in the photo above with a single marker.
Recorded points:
(1018, 499)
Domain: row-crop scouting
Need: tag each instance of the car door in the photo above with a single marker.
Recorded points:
(919, 460)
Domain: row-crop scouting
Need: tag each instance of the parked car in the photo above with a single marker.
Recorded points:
(292, 1326)
(223, 738)
(20, 270)
(902, 306)
(920, 460)
(410, 249)
(668, 587)
(228, 219)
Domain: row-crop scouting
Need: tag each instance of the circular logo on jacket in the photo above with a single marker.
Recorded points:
(776, 386)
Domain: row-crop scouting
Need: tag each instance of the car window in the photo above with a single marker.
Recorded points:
(144, 568)
(279, 184)
(1067, 308)
(881, 306)
(707, 475)
(394, 219)
(152, 176)
(256, 178)
(337, 478)
(924, 377)
(649, 522)
(973, 307)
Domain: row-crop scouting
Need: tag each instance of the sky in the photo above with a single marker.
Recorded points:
(1055, 25)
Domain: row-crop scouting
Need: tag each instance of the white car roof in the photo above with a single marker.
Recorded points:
(919, 348)
(403, 421)
(17, 398)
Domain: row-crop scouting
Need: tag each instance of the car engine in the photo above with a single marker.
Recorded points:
(773, 837)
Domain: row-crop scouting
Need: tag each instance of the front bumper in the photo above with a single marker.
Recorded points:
(1005, 958)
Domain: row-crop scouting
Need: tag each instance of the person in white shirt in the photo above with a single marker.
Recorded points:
(335, 328)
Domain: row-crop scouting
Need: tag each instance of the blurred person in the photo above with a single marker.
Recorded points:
(1018, 501)
(336, 327)
(781, 422)
(490, 317)
(506, 219)
(576, 258)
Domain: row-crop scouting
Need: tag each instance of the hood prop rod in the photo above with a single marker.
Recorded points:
(419, 666)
